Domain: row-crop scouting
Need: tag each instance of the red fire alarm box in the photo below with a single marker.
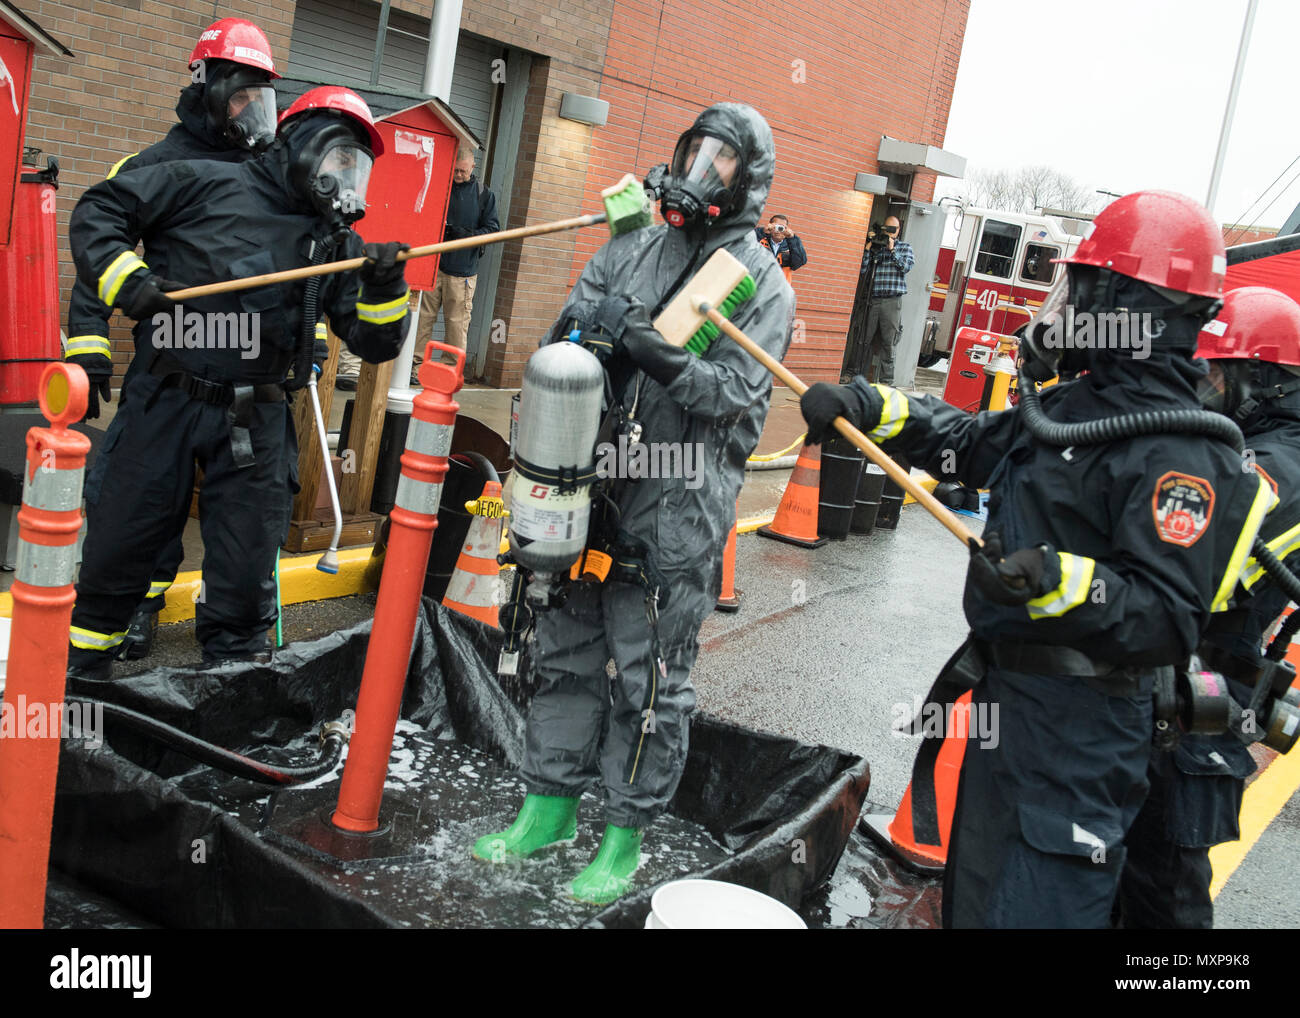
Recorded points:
(19, 37)
(407, 196)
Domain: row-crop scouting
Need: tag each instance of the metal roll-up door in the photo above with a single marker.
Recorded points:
(335, 39)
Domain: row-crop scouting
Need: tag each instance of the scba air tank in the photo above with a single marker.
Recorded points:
(559, 416)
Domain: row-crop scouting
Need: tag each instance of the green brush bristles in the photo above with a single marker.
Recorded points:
(628, 209)
(708, 332)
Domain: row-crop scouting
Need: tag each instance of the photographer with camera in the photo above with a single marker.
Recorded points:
(887, 263)
(778, 238)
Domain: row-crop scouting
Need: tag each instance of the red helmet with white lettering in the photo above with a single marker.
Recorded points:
(1257, 323)
(1160, 237)
(236, 40)
(337, 99)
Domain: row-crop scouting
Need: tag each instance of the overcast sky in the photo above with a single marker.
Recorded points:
(1129, 94)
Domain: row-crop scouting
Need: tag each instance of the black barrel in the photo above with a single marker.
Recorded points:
(841, 469)
(867, 503)
(891, 501)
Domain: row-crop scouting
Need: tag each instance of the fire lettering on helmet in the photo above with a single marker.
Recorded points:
(1181, 507)
(210, 35)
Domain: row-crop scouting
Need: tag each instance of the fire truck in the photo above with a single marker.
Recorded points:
(996, 275)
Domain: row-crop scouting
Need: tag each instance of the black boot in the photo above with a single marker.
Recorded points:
(138, 641)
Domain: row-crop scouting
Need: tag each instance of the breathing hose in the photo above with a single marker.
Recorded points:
(334, 735)
(1110, 429)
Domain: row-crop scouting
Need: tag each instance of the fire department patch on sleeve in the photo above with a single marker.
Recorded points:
(1182, 507)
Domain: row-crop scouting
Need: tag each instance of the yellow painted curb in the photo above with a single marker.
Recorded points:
(300, 581)
(751, 523)
(1263, 801)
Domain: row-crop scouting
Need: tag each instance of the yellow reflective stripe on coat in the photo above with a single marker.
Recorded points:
(86, 639)
(1264, 502)
(81, 345)
(382, 314)
(116, 274)
(1076, 581)
(893, 415)
(118, 165)
(320, 331)
(158, 588)
(1281, 546)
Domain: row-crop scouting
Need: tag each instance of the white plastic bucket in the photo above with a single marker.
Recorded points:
(716, 905)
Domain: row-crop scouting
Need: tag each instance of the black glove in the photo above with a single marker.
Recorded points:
(642, 342)
(823, 402)
(382, 269)
(452, 232)
(1016, 579)
(149, 297)
(99, 370)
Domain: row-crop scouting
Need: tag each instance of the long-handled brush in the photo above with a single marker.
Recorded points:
(627, 208)
(717, 282)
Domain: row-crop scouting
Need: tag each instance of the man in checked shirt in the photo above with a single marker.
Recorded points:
(893, 261)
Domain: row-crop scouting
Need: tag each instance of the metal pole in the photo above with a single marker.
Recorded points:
(1226, 129)
(444, 32)
(378, 58)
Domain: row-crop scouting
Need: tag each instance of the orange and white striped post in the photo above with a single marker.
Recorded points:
(414, 518)
(48, 524)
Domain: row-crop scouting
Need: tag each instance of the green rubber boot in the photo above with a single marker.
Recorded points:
(609, 874)
(543, 820)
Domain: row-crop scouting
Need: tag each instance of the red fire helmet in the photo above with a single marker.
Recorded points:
(340, 100)
(237, 40)
(1160, 237)
(1257, 323)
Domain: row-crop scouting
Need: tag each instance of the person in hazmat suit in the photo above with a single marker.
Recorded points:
(1253, 348)
(667, 532)
(1119, 520)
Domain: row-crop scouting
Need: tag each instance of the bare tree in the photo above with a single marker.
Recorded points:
(1030, 189)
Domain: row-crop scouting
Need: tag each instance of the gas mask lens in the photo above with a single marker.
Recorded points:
(250, 114)
(350, 165)
(1212, 390)
(706, 160)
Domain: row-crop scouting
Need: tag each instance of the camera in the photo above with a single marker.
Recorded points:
(878, 237)
(778, 228)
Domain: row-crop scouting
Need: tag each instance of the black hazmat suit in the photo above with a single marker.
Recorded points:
(711, 406)
(207, 222)
(1142, 537)
(1196, 790)
(194, 137)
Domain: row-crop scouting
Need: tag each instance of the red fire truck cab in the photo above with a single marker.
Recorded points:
(996, 274)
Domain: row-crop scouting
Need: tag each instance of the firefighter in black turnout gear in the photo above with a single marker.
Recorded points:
(227, 114)
(1107, 548)
(1253, 348)
(208, 383)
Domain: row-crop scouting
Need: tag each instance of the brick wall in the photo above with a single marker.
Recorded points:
(830, 81)
(118, 94)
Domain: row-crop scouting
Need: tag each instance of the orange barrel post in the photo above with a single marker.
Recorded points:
(413, 519)
(729, 596)
(48, 523)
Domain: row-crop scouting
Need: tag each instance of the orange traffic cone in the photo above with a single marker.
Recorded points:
(473, 587)
(796, 516)
(918, 835)
(729, 598)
